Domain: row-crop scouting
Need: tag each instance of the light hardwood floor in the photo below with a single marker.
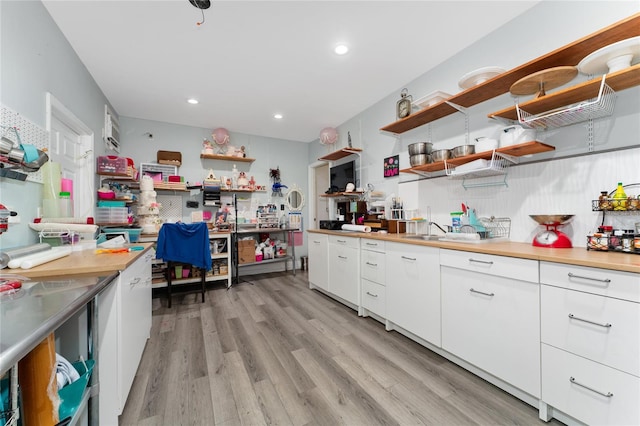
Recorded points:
(276, 352)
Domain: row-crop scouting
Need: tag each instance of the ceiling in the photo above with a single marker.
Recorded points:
(252, 59)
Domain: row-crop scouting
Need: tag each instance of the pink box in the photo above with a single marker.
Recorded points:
(258, 258)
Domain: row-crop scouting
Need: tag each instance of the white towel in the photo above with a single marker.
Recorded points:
(65, 373)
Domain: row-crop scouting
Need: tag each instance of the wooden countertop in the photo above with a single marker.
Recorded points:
(572, 256)
(84, 263)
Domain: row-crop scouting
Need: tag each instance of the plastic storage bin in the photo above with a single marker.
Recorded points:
(112, 164)
(134, 233)
(71, 395)
(112, 215)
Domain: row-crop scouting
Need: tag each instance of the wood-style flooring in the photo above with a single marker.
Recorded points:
(276, 352)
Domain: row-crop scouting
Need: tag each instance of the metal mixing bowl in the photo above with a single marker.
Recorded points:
(551, 219)
(420, 148)
(441, 155)
(419, 159)
(462, 150)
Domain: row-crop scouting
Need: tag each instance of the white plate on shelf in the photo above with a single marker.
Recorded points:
(611, 58)
(431, 99)
(478, 76)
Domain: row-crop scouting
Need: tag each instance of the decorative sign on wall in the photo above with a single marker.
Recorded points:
(391, 166)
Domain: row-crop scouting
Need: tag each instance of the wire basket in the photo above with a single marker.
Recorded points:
(602, 106)
(496, 227)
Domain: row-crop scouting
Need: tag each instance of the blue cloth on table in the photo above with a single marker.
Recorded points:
(185, 242)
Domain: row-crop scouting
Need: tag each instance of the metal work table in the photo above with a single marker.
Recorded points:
(42, 306)
(255, 231)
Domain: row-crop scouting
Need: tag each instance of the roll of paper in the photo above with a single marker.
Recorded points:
(9, 255)
(48, 256)
(356, 228)
(15, 263)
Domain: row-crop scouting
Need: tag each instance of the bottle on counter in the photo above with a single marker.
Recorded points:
(619, 198)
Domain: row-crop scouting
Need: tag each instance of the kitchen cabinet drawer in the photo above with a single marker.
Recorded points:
(345, 241)
(372, 266)
(375, 245)
(508, 267)
(603, 329)
(373, 297)
(493, 323)
(606, 282)
(585, 398)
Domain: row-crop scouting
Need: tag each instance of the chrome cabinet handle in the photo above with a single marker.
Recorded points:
(316, 241)
(606, 280)
(471, 259)
(342, 257)
(341, 241)
(481, 292)
(605, 325)
(371, 264)
(135, 281)
(409, 258)
(372, 295)
(372, 244)
(607, 395)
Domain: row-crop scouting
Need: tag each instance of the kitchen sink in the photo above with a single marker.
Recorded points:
(423, 237)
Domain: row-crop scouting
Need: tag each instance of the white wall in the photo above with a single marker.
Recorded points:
(558, 186)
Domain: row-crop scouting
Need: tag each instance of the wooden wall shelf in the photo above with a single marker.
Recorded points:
(227, 158)
(341, 153)
(342, 194)
(527, 148)
(571, 54)
(620, 80)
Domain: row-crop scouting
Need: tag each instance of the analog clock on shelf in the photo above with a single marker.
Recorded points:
(403, 106)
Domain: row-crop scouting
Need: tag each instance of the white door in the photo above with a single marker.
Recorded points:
(72, 147)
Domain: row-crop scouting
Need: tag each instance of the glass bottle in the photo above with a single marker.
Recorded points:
(619, 198)
(603, 201)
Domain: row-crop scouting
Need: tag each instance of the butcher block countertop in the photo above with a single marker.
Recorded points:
(84, 263)
(573, 256)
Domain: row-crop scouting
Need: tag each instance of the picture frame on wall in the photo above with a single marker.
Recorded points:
(391, 166)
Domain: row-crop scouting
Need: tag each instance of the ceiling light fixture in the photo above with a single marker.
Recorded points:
(341, 49)
(201, 4)
(277, 116)
(192, 101)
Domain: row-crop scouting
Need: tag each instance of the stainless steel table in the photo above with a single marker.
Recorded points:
(39, 308)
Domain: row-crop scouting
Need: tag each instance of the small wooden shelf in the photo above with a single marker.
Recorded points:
(227, 158)
(341, 153)
(570, 54)
(243, 190)
(342, 194)
(620, 80)
(117, 176)
(527, 148)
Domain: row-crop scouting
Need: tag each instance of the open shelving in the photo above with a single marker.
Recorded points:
(570, 54)
(527, 148)
(227, 158)
(341, 153)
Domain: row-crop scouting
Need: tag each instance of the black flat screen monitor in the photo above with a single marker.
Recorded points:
(342, 175)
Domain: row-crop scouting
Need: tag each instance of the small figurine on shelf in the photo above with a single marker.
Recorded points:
(243, 182)
(207, 147)
(252, 184)
(243, 152)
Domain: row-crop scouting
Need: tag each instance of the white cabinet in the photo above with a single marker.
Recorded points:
(491, 317)
(590, 332)
(135, 320)
(319, 261)
(124, 324)
(344, 265)
(372, 277)
(413, 290)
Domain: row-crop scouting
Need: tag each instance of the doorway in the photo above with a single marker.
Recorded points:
(318, 184)
(72, 147)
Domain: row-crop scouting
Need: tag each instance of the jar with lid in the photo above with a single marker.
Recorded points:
(627, 241)
(603, 201)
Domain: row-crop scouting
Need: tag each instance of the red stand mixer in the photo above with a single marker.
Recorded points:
(551, 237)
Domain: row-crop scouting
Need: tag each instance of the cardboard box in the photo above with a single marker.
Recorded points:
(396, 227)
(247, 244)
(246, 256)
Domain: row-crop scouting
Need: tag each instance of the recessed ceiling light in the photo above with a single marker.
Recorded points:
(277, 116)
(192, 101)
(341, 49)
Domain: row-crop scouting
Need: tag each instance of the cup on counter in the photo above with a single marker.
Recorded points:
(456, 221)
